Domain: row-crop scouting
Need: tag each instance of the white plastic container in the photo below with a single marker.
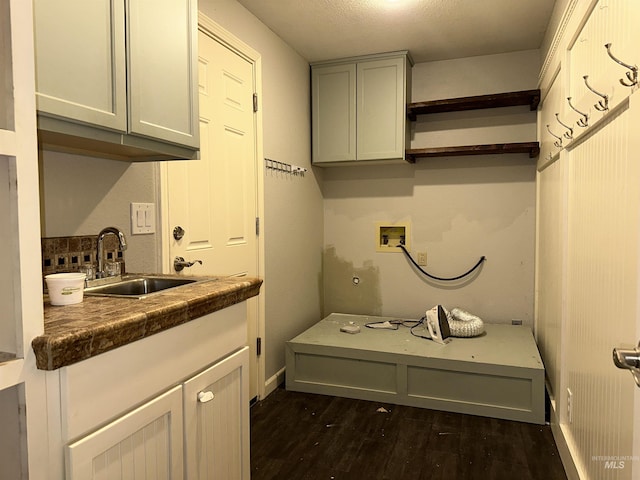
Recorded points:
(65, 288)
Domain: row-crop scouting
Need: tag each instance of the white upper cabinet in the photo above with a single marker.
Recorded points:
(118, 77)
(81, 61)
(162, 42)
(334, 113)
(381, 109)
(359, 109)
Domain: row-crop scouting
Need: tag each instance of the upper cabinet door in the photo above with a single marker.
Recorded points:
(381, 109)
(80, 61)
(334, 113)
(162, 43)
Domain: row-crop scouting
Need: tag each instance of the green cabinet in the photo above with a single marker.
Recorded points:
(118, 76)
(359, 109)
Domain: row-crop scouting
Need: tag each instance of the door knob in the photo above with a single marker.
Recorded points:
(178, 232)
(179, 263)
(628, 359)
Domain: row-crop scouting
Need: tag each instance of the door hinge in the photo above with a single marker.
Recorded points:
(257, 225)
(258, 346)
(255, 102)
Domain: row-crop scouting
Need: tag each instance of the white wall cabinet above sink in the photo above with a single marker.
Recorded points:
(118, 77)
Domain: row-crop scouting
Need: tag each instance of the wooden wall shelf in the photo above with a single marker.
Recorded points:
(494, 100)
(532, 148)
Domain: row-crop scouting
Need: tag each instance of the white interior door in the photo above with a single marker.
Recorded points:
(214, 200)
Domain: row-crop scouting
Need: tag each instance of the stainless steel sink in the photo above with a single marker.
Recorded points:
(136, 287)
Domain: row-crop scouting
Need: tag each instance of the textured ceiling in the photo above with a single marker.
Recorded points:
(429, 29)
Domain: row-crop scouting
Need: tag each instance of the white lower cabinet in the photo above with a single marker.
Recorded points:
(145, 444)
(217, 421)
(148, 442)
(170, 406)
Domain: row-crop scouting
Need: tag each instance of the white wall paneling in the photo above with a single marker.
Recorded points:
(550, 275)
(587, 238)
(602, 284)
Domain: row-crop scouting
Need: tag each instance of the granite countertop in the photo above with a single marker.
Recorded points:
(76, 332)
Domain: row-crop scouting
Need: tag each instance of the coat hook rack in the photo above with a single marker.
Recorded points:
(569, 133)
(602, 105)
(284, 167)
(582, 122)
(557, 143)
(632, 75)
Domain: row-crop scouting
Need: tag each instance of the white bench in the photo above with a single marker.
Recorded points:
(499, 374)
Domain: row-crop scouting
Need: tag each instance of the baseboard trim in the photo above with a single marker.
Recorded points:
(272, 383)
(564, 449)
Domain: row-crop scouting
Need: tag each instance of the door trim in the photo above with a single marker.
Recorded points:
(222, 36)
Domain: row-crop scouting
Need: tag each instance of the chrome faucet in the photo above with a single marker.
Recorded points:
(100, 250)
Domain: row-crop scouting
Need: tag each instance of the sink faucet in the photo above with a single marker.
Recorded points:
(100, 250)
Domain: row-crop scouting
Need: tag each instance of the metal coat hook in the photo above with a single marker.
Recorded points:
(569, 133)
(584, 121)
(284, 167)
(557, 143)
(602, 105)
(632, 75)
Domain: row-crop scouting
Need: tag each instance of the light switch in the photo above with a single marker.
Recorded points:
(143, 218)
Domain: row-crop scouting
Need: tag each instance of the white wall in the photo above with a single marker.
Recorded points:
(82, 195)
(293, 205)
(460, 208)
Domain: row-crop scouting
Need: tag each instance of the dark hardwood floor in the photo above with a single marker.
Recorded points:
(305, 436)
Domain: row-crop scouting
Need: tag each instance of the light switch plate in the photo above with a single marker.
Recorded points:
(143, 218)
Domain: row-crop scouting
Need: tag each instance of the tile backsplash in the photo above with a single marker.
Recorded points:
(67, 254)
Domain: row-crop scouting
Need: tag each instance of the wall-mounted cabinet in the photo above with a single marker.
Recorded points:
(358, 109)
(118, 77)
(497, 100)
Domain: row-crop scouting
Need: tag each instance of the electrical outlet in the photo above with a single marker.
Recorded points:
(569, 406)
(422, 259)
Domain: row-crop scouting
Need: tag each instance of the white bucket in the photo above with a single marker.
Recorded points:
(65, 288)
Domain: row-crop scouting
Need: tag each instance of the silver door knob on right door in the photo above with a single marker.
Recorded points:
(628, 359)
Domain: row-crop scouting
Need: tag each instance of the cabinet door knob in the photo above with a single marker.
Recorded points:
(204, 397)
